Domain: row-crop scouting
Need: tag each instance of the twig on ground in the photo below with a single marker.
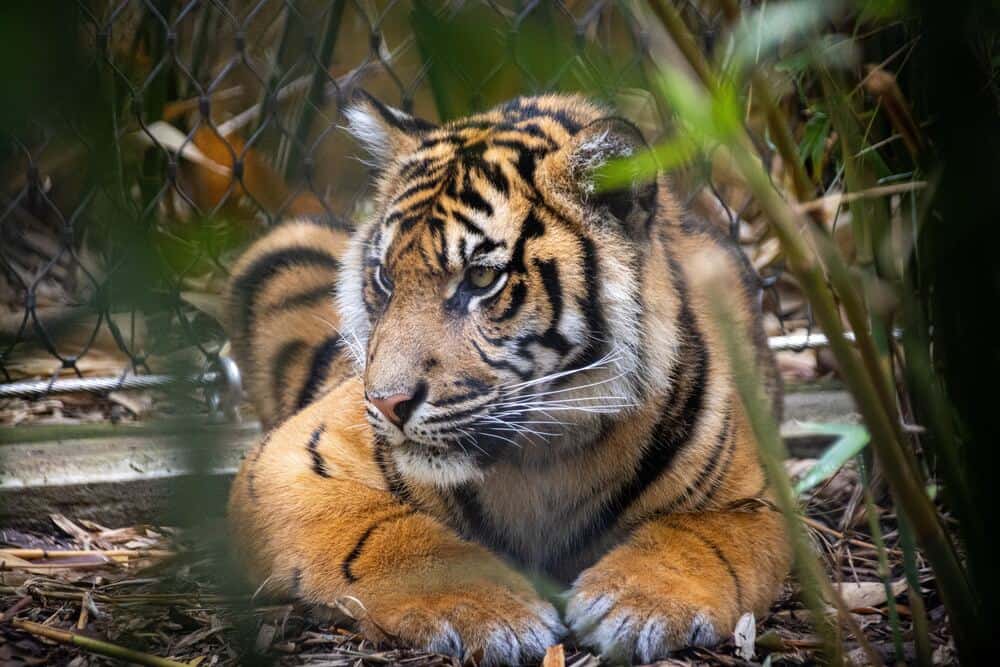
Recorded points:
(95, 645)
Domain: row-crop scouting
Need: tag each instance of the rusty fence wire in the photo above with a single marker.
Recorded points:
(183, 129)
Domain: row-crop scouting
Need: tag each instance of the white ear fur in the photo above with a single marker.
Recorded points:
(594, 146)
(370, 132)
(383, 130)
(596, 151)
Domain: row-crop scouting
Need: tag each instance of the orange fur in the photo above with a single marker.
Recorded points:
(629, 481)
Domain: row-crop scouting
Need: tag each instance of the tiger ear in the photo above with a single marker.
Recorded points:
(383, 130)
(596, 145)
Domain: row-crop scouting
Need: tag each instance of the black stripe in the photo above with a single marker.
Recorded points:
(590, 305)
(280, 363)
(717, 478)
(502, 365)
(390, 476)
(552, 338)
(494, 174)
(722, 558)
(452, 416)
(670, 434)
(415, 168)
(405, 123)
(416, 188)
(716, 458)
(457, 398)
(253, 463)
(359, 546)
(518, 292)
(535, 130)
(474, 200)
(254, 279)
(319, 367)
(309, 297)
(531, 228)
(467, 223)
(479, 526)
(527, 162)
(318, 465)
(522, 109)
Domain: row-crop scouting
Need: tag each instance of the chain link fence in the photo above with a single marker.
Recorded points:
(184, 129)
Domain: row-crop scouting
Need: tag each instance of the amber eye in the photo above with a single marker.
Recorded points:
(481, 277)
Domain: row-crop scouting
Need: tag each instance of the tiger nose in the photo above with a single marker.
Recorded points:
(396, 408)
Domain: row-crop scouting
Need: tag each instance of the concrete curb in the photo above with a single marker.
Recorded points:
(128, 475)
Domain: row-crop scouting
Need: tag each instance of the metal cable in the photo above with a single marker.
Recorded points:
(227, 382)
(40, 388)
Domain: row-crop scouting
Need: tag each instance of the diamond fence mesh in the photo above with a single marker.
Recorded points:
(175, 132)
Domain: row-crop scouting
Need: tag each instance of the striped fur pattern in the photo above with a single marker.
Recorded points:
(568, 408)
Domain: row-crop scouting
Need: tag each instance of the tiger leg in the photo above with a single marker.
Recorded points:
(313, 518)
(679, 580)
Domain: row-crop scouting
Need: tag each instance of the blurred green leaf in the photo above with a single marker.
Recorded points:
(703, 119)
(765, 31)
(836, 52)
(879, 10)
(813, 144)
(706, 117)
(852, 438)
(646, 165)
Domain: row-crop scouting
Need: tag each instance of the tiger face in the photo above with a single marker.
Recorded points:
(493, 298)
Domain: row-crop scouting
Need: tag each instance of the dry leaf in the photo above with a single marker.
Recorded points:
(858, 594)
(745, 636)
(172, 139)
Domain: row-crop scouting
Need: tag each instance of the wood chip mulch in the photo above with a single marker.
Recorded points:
(153, 595)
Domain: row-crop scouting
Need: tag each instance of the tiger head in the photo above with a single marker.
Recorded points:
(493, 298)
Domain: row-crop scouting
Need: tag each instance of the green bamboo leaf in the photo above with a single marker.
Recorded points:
(851, 439)
(644, 166)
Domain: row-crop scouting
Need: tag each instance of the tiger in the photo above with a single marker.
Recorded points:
(499, 414)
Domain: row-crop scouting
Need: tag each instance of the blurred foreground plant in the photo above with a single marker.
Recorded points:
(710, 118)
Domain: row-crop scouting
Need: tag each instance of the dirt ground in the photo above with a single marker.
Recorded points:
(159, 591)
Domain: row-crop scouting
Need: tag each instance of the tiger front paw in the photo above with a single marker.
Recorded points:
(493, 624)
(638, 617)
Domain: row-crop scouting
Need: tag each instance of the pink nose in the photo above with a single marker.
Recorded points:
(396, 408)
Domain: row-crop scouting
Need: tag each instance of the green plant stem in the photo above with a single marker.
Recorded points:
(781, 134)
(918, 612)
(816, 586)
(314, 98)
(895, 462)
(771, 451)
(95, 645)
(859, 376)
(838, 272)
(672, 21)
(884, 572)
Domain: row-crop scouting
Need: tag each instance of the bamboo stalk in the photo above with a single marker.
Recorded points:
(918, 611)
(816, 586)
(95, 645)
(861, 377)
(869, 193)
(839, 274)
(883, 560)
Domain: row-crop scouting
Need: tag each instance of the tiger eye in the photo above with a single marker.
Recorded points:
(481, 277)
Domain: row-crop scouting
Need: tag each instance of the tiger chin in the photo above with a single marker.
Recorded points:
(505, 372)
